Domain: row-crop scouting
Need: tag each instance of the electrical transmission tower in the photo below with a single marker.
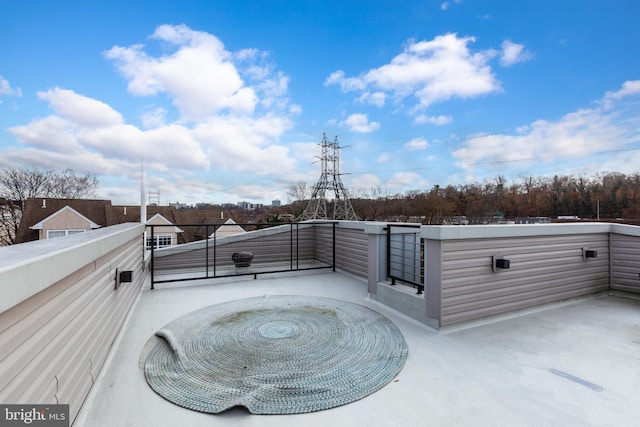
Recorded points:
(329, 182)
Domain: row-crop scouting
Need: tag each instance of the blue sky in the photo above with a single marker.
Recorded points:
(228, 100)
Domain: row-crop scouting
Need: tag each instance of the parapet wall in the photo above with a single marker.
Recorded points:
(61, 312)
(547, 263)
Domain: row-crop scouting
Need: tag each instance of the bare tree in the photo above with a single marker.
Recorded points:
(19, 184)
(370, 203)
(298, 193)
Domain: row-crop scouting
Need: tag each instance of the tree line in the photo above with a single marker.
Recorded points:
(604, 196)
(610, 195)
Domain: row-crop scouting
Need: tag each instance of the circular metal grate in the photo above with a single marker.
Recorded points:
(275, 355)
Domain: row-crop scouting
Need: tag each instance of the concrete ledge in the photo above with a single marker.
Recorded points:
(458, 232)
(28, 268)
(404, 300)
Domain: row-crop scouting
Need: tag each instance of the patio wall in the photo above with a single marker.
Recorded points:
(268, 245)
(546, 265)
(273, 245)
(61, 313)
(542, 270)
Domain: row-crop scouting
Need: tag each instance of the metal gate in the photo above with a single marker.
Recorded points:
(405, 255)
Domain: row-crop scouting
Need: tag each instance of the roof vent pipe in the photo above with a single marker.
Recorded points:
(44, 203)
(143, 201)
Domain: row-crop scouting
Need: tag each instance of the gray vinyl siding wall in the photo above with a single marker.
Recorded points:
(53, 344)
(352, 248)
(274, 246)
(311, 242)
(543, 270)
(625, 263)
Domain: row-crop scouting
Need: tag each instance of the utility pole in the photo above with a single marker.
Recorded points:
(329, 182)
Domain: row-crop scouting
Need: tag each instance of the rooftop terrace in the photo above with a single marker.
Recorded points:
(568, 356)
(573, 363)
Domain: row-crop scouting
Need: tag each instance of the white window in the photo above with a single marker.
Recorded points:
(59, 233)
(161, 241)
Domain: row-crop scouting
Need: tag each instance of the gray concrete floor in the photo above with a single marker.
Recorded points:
(572, 364)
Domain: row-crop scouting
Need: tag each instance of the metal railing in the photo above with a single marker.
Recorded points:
(405, 255)
(206, 250)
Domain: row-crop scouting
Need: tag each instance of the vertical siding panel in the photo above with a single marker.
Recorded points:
(625, 261)
(352, 248)
(352, 251)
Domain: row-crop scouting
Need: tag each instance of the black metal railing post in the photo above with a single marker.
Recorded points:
(206, 251)
(334, 246)
(393, 280)
(215, 253)
(153, 259)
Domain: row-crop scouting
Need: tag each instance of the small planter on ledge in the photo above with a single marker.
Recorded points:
(242, 259)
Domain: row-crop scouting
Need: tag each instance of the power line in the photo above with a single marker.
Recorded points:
(329, 182)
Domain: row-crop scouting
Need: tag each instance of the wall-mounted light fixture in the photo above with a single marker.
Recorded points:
(589, 253)
(124, 276)
(499, 263)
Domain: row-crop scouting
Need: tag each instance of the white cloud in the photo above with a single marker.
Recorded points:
(347, 84)
(246, 144)
(50, 133)
(375, 98)
(445, 5)
(431, 71)
(513, 53)
(384, 157)
(200, 76)
(206, 84)
(307, 151)
(153, 117)
(360, 123)
(81, 161)
(419, 143)
(7, 90)
(403, 180)
(80, 109)
(422, 119)
(170, 147)
(233, 109)
(631, 87)
(608, 127)
(365, 181)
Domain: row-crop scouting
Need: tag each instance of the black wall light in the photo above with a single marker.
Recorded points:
(499, 263)
(503, 263)
(125, 276)
(589, 253)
